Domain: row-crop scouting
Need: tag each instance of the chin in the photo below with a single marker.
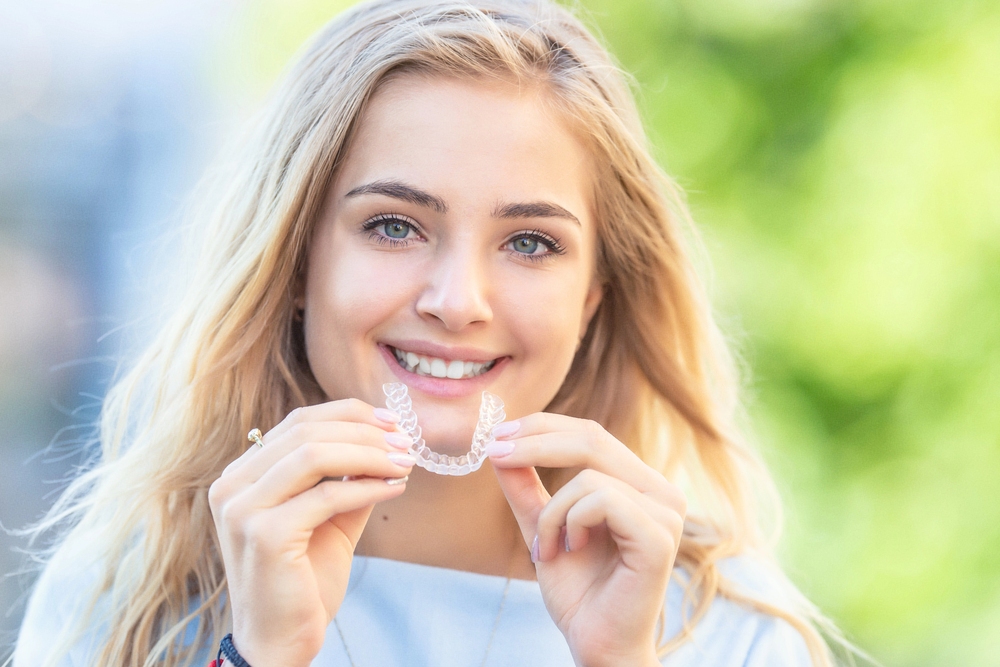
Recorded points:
(451, 438)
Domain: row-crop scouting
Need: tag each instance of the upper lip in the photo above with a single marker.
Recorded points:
(429, 349)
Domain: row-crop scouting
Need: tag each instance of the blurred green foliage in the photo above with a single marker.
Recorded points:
(843, 160)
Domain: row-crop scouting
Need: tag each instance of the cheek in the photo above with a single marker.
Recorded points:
(349, 297)
(544, 315)
(334, 298)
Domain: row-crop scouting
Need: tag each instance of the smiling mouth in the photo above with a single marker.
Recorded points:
(454, 369)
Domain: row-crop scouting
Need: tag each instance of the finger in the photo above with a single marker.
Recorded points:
(557, 441)
(552, 519)
(332, 499)
(526, 496)
(642, 543)
(277, 448)
(310, 463)
(345, 410)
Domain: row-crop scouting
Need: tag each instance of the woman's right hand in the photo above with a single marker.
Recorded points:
(288, 535)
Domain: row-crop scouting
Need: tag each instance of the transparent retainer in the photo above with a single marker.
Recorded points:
(490, 414)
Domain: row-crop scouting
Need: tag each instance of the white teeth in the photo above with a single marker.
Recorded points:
(439, 368)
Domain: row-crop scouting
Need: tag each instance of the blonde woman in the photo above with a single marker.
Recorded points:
(458, 197)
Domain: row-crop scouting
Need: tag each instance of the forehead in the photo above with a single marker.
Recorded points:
(469, 141)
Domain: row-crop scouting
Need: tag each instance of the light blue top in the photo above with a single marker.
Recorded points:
(399, 613)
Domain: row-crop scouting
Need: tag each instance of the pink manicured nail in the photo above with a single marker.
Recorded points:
(398, 440)
(496, 450)
(400, 459)
(506, 429)
(534, 550)
(387, 416)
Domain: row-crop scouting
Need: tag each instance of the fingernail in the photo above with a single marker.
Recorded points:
(388, 416)
(398, 440)
(496, 450)
(534, 550)
(395, 481)
(566, 542)
(400, 459)
(506, 429)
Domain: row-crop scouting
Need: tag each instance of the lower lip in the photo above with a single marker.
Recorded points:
(442, 387)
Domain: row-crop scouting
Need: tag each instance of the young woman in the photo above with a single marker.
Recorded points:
(457, 196)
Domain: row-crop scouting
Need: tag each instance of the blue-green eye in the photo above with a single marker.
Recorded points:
(391, 229)
(526, 245)
(396, 229)
(535, 245)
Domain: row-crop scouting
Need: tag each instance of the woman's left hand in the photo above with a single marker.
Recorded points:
(604, 544)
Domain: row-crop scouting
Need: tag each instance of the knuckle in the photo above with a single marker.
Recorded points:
(547, 520)
(675, 497)
(257, 533)
(231, 515)
(682, 504)
(354, 405)
(329, 490)
(310, 454)
(605, 495)
(217, 493)
(588, 478)
(662, 544)
(595, 434)
(299, 431)
(296, 415)
(354, 431)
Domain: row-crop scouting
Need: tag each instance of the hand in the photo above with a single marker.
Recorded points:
(606, 541)
(288, 533)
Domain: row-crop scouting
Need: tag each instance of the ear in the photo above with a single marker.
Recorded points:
(299, 294)
(590, 304)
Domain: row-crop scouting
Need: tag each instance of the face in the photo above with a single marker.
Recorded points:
(455, 253)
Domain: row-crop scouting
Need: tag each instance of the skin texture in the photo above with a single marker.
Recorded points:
(464, 278)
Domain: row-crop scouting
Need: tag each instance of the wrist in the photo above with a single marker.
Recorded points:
(647, 658)
(245, 654)
(646, 661)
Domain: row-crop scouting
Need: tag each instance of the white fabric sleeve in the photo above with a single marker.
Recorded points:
(778, 644)
(59, 599)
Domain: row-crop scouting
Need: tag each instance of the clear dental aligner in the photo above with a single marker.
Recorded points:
(490, 414)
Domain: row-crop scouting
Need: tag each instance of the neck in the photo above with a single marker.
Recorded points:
(460, 523)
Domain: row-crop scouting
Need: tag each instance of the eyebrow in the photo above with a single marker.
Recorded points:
(400, 190)
(535, 209)
(405, 192)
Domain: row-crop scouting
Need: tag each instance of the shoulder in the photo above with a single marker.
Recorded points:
(67, 616)
(733, 634)
(59, 602)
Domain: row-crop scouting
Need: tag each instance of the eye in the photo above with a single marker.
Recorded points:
(392, 229)
(534, 245)
(396, 229)
(526, 245)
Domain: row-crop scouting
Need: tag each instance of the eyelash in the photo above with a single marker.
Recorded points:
(551, 242)
(372, 224)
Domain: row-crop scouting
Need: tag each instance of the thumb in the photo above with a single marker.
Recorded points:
(353, 523)
(526, 496)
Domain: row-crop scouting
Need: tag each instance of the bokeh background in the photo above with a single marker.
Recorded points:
(842, 159)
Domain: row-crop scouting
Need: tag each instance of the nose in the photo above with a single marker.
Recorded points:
(456, 292)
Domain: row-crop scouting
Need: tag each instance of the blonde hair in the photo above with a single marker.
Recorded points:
(652, 368)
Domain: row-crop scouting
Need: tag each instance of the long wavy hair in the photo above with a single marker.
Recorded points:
(652, 368)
